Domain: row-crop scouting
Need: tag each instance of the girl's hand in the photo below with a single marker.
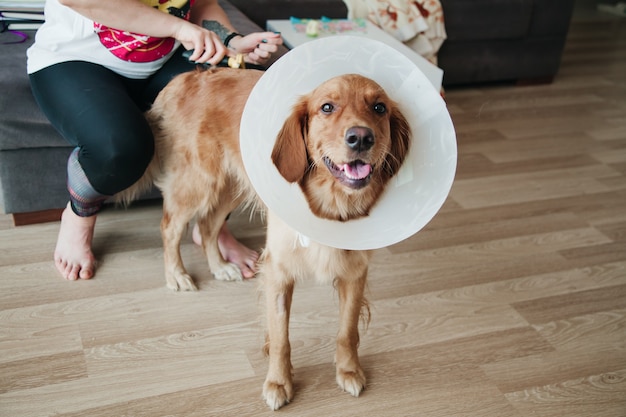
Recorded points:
(258, 47)
(207, 46)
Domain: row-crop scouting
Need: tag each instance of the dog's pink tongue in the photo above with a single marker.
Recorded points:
(357, 170)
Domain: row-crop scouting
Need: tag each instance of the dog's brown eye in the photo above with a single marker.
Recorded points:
(327, 108)
(380, 108)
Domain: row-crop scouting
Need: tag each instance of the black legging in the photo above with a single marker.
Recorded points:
(101, 113)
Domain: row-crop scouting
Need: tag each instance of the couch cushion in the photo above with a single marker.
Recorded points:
(22, 124)
(471, 20)
(551, 18)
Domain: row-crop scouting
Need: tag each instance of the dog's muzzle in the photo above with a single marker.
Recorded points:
(355, 174)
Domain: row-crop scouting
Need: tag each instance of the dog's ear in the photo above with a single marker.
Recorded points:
(400, 141)
(289, 153)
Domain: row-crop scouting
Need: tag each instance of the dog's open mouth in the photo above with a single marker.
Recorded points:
(355, 174)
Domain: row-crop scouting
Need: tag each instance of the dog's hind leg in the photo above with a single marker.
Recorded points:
(350, 376)
(173, 226)
(278, 386)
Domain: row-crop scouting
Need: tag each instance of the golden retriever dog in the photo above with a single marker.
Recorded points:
(341, 144)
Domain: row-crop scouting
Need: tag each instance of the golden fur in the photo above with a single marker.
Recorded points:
(341, 144)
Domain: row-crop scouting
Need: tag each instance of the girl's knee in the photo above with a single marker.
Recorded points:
(119, 165)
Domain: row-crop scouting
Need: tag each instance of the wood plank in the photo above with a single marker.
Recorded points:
(597, 395)
(557, 307)
(121, 386)
(531, 186)
(601, 333)
(41, 371)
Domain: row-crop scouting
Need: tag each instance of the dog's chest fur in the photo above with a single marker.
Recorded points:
(304, 258)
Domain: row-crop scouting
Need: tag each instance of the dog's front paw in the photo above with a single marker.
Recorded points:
(276, 395)
(180, 281)
(228, 272)
(351, 381)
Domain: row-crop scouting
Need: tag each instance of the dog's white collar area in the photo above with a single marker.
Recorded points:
(304, 241)
(413, 196)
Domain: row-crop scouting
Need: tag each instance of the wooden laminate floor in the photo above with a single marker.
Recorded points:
(510, 303)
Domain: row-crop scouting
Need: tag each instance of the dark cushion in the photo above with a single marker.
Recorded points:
(472, 20)
(22, 124)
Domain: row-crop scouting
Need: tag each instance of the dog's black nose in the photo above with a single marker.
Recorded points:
(359, 138)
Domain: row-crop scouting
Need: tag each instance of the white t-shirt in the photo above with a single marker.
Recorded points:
(68, 36)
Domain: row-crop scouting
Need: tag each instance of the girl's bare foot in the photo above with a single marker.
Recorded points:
(232, 250)
(73, 256)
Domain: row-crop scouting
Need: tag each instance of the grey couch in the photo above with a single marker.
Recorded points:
(503, 40)
(488, 40)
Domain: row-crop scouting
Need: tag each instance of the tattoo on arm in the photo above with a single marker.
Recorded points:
(216, 27)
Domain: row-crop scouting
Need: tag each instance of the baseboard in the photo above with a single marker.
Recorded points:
(34, 217)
